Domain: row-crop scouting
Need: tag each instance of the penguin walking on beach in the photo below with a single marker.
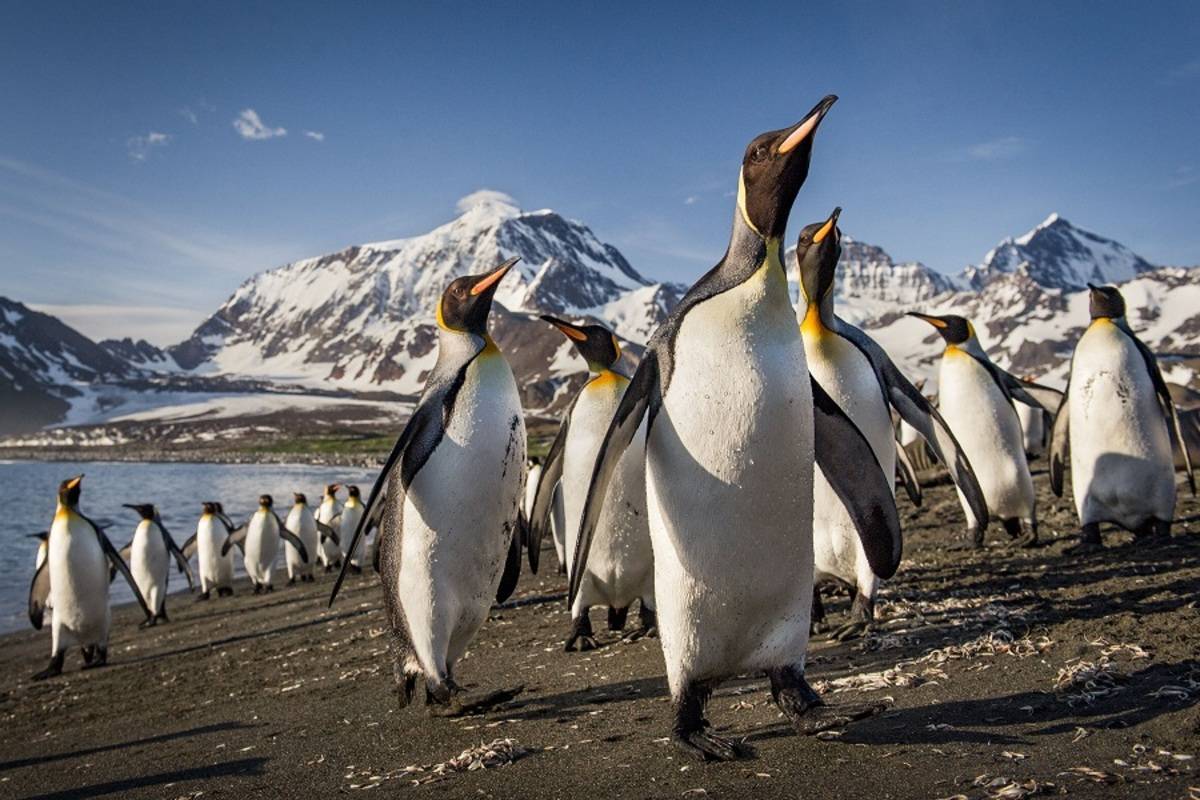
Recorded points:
(300, 521)
(1116, 426)
(150, 553)
(732, 422)
(448, 533)
(865, 384)
(207, 544)
(352, 512)
(258, 539)
(977, 399)
(620, 567)
(329, 529)
(73, 581)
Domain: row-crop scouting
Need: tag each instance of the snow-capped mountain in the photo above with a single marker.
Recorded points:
(362, 318)
(1058, 255)
(140, 354)
(45, 365)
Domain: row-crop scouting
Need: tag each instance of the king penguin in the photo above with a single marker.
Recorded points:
(259, 539)
(329, 529)
(300, 521)
(865, 384)
(558, 519)
(352, 512)
(731, 416)
(73, 581)
(150, 555)
(1116, 426)
(620, 567)
(448, 535)
(207, 544)
(976, 397)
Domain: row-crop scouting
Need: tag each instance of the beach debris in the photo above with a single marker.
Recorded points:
(1093, 775)
(1110, 649)
(494, 754)
(1085, 682)
(1003, 788)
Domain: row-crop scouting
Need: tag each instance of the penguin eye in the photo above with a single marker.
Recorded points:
(760, 153)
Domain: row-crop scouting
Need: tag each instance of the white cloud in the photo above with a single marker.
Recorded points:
(249, 126)
(188, 113)
(691, 200)
(316, 136)
(160, 325)
(139, 147)
(486, 198)
(995, 149)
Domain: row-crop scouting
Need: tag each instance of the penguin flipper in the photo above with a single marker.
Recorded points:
(115, 559)
(640, 395)
(189, 546)
(292, 539)
(236, 536)
(543, 500)
(1168, 406)
(908, 475)
(39, 594)
(1032, 394)
(180, 559)
(842, 452)
(1060, 444)
(327, 532)
(924, 418)
(512, 569)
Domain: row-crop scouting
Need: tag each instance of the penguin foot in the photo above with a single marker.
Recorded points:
(53, 670)
(581, 635)
(88, 653)
(203, 596)
(270, 588)
(258, 588)
(406, 686)
(356, 569)
(562, 569)
(805, 709)
(649, 628)
(855, 629)
(705, 746)
(291, 581)
(617, 617)
(1089, 540)
(224, 592)
(100, 659)
(149, 623)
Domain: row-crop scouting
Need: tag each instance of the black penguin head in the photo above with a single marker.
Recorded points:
(69, 491)
(774, 168)
(144, 510)
(596, 343)
(220, 507)
(209, 507)
(953, 328)
(817, 253)
(465, 304)
(534, 461)
(353, 490)
(41, 536)
(1106, 302)
(299, 498)
(266, 501)
(331, 489)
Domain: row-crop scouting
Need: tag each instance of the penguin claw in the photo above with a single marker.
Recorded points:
(582, 643)
(641, 633)
(851, 630)
(705, 746)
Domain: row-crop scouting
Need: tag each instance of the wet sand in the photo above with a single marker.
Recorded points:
(1013, 673)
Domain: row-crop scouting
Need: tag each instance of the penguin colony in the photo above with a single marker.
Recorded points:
(750, 457)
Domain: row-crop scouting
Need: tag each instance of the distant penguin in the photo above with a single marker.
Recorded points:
(259, 539)
(215, 565)
(352, 512)
(42, 548)
(448, 534)
(862, 380)
(1116, 426)
(329, 529)
(558, 522)
(977, 398)
(73, 581)
(150, 555)
(620, 566)
(733, 418)
(300, 521)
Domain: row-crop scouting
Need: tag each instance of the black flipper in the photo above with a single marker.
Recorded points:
(640, 395)
(1167, 404)
(543, 500)
(1032, 394)
(291, 539)
(327, 532)
(236, 536)
(189, 547)
(39, 594)
(845, 457)
(115, 559)
(512, 569)
(908, 475)
(180, 558)
(924, 418)
(1060, 444)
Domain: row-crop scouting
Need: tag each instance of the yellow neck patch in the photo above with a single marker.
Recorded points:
(606, 379)
(812, 324)
(489, 347)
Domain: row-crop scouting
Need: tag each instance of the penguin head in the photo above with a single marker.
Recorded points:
(596, 343)
(353, 490)
(331, 490)
(299, 498)
(533, 461)
(69, 491)
(41, 536)
(774, 168)
(209, 507)
(144, 510)
(817, 254)
(954, 329)
(465, 304)
(265, 501)
(1106, 302)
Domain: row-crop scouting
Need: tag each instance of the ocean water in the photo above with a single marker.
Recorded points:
(28, 490)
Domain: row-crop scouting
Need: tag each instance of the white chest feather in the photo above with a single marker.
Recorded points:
(149, 562)
(78, 578)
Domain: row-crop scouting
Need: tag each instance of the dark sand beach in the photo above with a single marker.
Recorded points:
(1012, 673)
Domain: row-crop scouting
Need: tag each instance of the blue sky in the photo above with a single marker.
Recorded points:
(136, 189)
